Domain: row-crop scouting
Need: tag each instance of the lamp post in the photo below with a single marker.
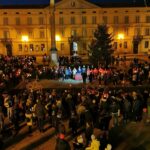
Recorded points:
(120, 37)
(25, 39)
(54, 57)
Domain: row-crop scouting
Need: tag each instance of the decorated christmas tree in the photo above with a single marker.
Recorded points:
(100, 49)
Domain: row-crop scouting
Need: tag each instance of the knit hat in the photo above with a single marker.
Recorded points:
(80, 139)
(92, 137)
(109, 147)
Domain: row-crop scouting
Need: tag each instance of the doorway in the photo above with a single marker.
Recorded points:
(135, 47)
(9, 49)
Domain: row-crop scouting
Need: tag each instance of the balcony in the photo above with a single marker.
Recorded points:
(74, 39)
(137, 38)
(6, 40)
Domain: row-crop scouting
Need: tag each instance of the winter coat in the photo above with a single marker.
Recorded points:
(62, 144)
(95, 144)
(28, 116)
(40, 110)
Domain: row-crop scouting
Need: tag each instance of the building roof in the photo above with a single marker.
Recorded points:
(44, 3)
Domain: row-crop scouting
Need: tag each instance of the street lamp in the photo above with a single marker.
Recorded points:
(57, 38)
(120, 37)
(25, 39)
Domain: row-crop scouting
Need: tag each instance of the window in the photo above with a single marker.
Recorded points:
(41, 21)
(42, 34)
(126, 19)
(20, 47)
(84, 32)
(37, 47)
(61, 20)
(147, 31)
(146, 44)
(29, 21)
(17, 21)
(94, 20)
(147, 19)
(72, 20)
(137, 31)
(42, 47)
(73, 32)
(62, 32)
(31, 47)
(30, 33)
(105, 21)
(18, 32)
(125, 45)
(116, 20)
(5, 21)
(115, 45)
(137, 19)
(62, 46)
(6, 34)
(84, 20)
(126, 31)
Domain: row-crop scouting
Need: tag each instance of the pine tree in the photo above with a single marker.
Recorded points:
(100, 49)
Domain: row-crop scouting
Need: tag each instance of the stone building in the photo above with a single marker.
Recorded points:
(26, 29)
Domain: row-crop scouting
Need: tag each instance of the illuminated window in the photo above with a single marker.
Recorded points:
(125, 45)
(41, 21)
(62, 46)
(20, 47)
(137, 19)
(29, 21)
(105, 21)
(147, 19)
(116, 19)
(17, 21)
(42, 47)
(84, 20)
(61, 20)
(31, 47)
(42, 34)
(94, 20)
(126, 19)
(146, 44)
(5, 21)
(72, 20)
(6, 34)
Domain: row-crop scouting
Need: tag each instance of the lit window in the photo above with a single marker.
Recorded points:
(146, 44)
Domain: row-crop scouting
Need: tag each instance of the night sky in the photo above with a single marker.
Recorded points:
(26, 2)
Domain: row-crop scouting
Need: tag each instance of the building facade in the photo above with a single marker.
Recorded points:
(27, 30)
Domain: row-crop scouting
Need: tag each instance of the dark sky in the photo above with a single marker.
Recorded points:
(12, 2)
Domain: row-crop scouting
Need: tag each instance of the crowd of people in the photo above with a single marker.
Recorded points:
(16, 69)
(85, 109)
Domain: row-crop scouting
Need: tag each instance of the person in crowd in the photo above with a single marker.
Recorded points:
(78, 143)
(29, 120)
(95, 144)
(73, 123)
(2, 118)
(40, 113)
(61, 143)
(8, 103)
